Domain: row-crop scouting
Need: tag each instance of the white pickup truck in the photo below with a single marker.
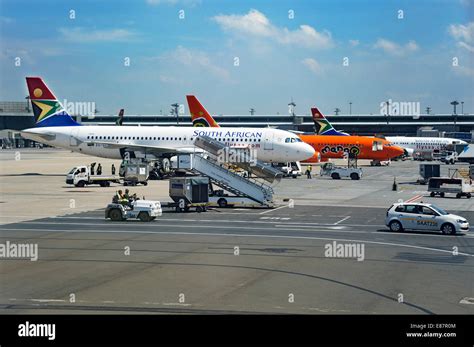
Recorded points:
(337, 172)
(80, 176)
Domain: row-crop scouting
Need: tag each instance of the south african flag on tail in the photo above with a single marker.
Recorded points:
(47, 109)
(322, 126)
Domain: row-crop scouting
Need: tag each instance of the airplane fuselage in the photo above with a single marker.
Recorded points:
(424, 144)
(269, 145)
(334, 147)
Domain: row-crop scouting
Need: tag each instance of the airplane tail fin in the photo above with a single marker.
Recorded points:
(199, 115)
(322, 125)
(47, 109)
(119, 120)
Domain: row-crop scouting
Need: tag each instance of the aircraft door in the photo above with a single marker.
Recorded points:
(268, 140)
(73, 137)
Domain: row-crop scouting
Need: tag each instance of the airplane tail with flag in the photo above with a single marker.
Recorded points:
(47, 109)
(322, 125)
(199, 115)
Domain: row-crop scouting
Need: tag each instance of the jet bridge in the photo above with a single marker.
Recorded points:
(252, 188)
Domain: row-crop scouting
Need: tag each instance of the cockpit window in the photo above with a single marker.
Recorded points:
(292, 139)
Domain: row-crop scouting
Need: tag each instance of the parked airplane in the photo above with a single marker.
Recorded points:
(409, 144)
(55, 127)
(325, 146)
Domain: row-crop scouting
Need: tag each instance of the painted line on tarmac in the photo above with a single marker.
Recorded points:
(333, 229)
(272, 210)
(413, 199)
(342, 220)
(466, 300)
(296, 224)
(249, 235)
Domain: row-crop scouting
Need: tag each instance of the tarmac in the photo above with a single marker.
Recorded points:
(232, 260)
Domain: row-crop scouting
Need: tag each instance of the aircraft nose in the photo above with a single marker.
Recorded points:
(397, 151)
(305, 151)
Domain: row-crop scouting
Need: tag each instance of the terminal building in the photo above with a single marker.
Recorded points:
(16, 116)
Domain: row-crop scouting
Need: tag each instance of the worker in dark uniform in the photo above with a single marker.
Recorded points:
(99, 169)
(309, 168)
(113, 169)
(92, 169)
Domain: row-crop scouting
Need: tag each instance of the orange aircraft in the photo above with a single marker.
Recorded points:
(326, 146)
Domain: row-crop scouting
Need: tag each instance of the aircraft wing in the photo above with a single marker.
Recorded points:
(44, 136)
(147, 148)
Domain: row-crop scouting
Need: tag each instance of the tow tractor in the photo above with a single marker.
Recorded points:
(336, 172)
(144, 210)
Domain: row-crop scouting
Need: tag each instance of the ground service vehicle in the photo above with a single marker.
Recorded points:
(445, 185)
(450, 158)
(80, 176)
(336, 172)
(188, 192)
(290, 169)
(135, 173)
(144, 210)
(420, 216)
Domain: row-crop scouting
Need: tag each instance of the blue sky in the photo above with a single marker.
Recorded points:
(82, 59)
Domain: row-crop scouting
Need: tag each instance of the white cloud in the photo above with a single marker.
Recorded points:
(463, 34)
(354, 43)
(79, 34)
(6, 20)
(312, 65)
(256, 24)
(394, 48)
(194, 59)
(464, 71)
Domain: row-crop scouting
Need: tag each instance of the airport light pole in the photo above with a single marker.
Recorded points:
(291, 107)
(174, 110)
(455, 103)
(252, 111)
(350, 107)
(462, 107)
(337, 110)
(428, 110)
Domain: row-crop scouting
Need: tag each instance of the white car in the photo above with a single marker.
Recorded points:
(422, 216)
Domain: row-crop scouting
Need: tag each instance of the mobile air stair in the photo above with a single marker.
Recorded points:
(210, 164)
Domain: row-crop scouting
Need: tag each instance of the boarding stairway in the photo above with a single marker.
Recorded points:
(252, 188)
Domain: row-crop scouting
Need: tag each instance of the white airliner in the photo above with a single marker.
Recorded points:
(423, 144)
(55, 127)
(409, 144)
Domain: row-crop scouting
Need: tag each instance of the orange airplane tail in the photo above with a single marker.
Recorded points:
(199, 116)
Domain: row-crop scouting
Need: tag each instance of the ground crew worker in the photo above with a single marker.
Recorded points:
(309, 168)
(121, 198)
(113, 169)
(99, 169)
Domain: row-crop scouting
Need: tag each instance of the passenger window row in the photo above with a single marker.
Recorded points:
(146, 138)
